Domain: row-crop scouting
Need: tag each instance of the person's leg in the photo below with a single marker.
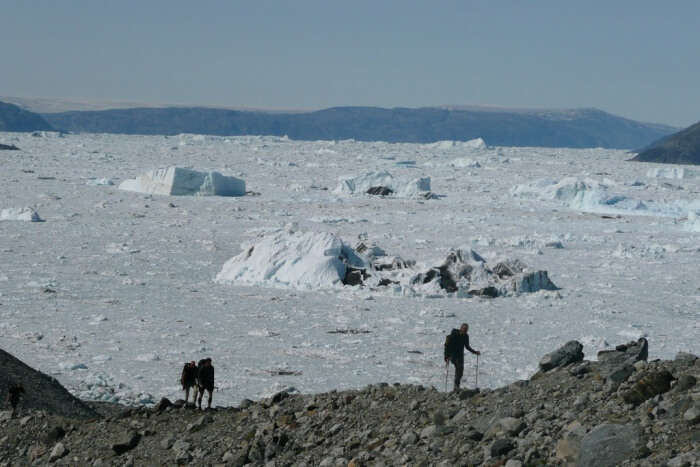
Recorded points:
(210, 393)
(187, 394)
(199, 397)
(459, 371)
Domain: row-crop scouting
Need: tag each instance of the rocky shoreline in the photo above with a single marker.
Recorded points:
(618, 410)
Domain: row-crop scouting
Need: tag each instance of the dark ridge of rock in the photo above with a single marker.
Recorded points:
(8, 147)
(14, 118)
(679, 148)
(42, 392)
(571, 128)
(566, 416)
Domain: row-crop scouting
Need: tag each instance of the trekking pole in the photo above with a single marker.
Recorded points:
(447, 371)
(476, 384)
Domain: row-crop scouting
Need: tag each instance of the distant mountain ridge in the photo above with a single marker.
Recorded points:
(14, 118)
(679, 148)
(575, 128)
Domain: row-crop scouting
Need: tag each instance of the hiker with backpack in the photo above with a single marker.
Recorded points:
(455, 343)
(188, 379)
(205, 381)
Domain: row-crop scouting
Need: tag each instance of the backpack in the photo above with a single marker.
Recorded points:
(451, 344)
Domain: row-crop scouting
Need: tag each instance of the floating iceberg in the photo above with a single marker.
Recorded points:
(180, 181)
(473, 144)
(677, 173)
(303, 260)
(20, 214)
(375, 180)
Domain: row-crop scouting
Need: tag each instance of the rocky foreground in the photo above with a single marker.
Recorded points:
(619, 410)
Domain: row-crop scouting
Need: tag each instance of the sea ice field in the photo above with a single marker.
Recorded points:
(111, 291)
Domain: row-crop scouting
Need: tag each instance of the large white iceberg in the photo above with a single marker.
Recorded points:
(473, 144)
(181, 181)
(693, 223)
(401, 188)
(302, 260)
(20, 214)
(670, 172)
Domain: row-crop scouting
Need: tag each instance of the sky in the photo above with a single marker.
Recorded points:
(638, 59)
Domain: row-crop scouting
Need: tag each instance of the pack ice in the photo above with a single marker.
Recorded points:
(181, 181)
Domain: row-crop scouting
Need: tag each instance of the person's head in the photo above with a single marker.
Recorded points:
(192, 364)
(464, 328)
(207, 362)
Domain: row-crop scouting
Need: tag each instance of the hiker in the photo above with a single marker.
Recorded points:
(188, 380)
(205, 381)
(14, 393)
(455, 343)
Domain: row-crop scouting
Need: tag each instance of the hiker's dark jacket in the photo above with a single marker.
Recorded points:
(455, 345)
(189, 376)
(205, 378)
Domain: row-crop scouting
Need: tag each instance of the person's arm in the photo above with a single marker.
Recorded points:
(466, 345)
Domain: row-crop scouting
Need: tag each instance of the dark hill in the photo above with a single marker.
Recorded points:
(680, 148)
(557, 128)
(13, 118)
(42, 392)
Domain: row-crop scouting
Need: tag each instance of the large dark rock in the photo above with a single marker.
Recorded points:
(648, 386)
(380, 191)
(126, 443)
(625, 353)
(355, 276)
(41, 391)
(571, 352)
(679, 148)
(609, 444)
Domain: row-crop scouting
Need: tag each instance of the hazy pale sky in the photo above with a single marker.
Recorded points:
(639, 59)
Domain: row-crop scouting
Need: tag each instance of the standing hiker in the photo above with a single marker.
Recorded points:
(205, 381)
(455, 343)
(188, 379)
(14, 393)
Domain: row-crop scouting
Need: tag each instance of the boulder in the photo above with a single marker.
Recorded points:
(571, 352)
(58, 451)
(692, 415)
(648, 386)
(608, 445)
(501, 447)
(626, 353)
(126, 443)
